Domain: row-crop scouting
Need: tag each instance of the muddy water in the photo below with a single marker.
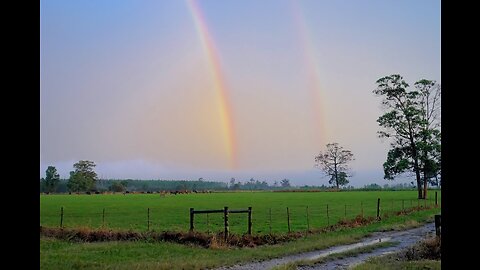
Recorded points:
(404, 239)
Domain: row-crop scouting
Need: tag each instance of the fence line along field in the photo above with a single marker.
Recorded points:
(141, 212)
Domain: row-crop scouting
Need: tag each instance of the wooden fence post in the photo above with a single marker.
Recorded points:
(378, 208)
(250, 220)
(148, 219)
(436, 199)
(328, 217)
(308, 222)
(438, 224)
(288, 219)
(270, 224)
(345, 211)
(191, 219)
(361, 207)
(225, 215)
(61, 217)
(208, 228)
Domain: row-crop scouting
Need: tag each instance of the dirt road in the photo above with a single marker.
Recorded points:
(404, 238)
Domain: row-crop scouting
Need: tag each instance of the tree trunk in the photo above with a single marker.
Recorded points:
(425, 184)
(336, 175)
(417, 170)
(419, 181)
(425, 162)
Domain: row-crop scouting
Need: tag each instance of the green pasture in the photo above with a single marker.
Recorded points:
(171, 212)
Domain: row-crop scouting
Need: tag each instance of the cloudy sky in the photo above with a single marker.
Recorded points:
(217, 89)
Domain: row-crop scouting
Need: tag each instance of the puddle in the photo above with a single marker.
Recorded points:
(341, 249)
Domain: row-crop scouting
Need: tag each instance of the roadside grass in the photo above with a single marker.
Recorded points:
(60, 254)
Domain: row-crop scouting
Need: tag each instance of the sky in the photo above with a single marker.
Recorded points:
(183, 89)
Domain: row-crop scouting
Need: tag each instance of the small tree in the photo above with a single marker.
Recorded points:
(285, 183)
(116, 187)
(124, 183)
(251, 183)
(52, 179)
(76, 182)
(333, 162)
(84, 177)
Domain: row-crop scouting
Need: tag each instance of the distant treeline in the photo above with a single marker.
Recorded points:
(120, 185)
(369, 187)
(160, 185)
(399, 186)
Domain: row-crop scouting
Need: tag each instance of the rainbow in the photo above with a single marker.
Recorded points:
(313, 69)
(224, 106)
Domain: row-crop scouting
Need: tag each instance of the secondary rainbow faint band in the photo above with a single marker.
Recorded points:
(313, 69)
(218, 79)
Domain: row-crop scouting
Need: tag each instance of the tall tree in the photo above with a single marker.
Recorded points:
(334, 163)
(430, 146)
(84, 177)
(52, 179)
(412, 123)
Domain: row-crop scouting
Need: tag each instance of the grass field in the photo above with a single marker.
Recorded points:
(172, 211)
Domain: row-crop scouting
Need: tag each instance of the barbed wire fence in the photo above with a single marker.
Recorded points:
(272, 220)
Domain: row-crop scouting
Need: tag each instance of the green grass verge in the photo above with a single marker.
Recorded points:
(58, 254)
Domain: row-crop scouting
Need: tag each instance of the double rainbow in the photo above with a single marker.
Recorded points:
(224, 105)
